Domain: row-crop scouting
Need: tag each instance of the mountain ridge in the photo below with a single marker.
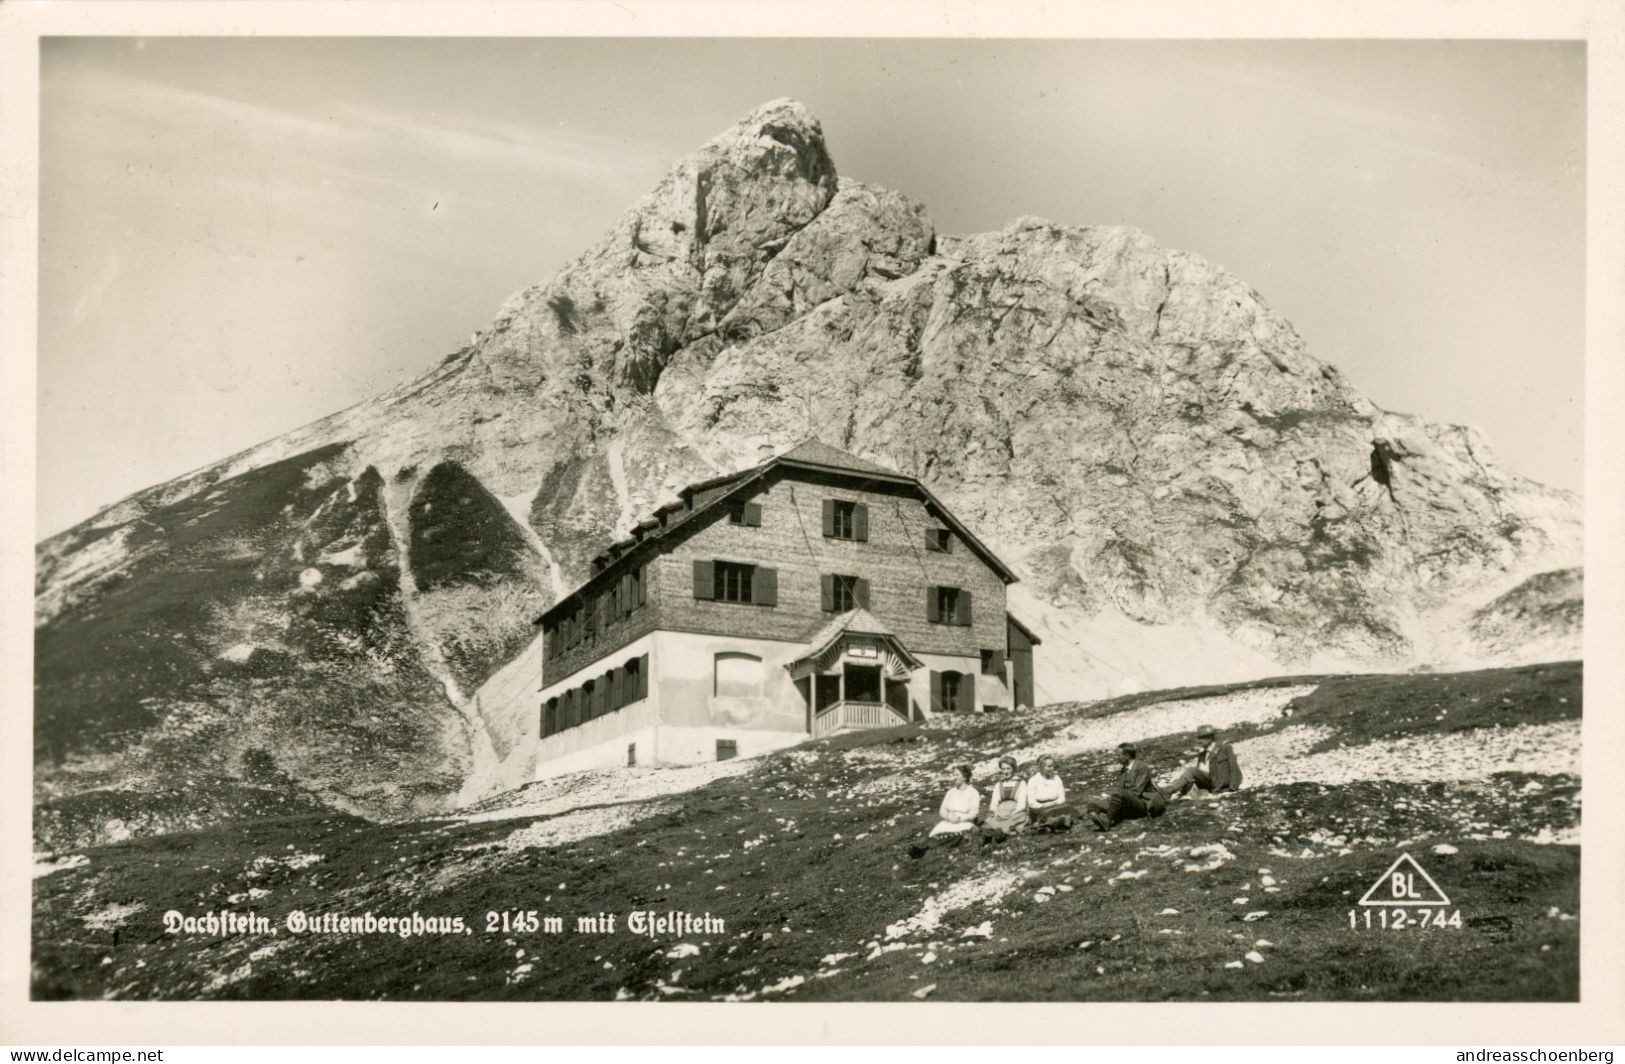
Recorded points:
(1182, 486)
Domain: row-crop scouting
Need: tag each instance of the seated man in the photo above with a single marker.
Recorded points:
(1046, 799)
(1135, 795)
(958, 815)
(1213, 768)
(1007, 804)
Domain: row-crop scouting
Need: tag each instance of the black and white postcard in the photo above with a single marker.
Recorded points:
(951, 515)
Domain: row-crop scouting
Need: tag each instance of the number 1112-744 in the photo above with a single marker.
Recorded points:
(1374, 919)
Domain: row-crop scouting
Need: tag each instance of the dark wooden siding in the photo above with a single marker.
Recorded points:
(1021, 667)
(623, 610)
(892, 562)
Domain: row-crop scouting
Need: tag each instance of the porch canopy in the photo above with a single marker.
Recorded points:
(858, 636)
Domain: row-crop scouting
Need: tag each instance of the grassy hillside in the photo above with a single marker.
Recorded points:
(804, 856)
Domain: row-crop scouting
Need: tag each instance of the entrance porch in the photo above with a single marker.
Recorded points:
(853, 675)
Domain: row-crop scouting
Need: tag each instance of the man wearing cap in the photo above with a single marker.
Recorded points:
(1213, 768)
(1135, 795)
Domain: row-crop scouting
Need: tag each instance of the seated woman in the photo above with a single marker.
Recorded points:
(958, 814)
(1007, 804)
(1046, 799)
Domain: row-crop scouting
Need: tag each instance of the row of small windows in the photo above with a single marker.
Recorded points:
(723, 581)
(587, 622)
(757, 585)
(843, 519)
(619, 687)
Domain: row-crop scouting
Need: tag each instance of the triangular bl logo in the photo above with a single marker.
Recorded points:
(1405, 883)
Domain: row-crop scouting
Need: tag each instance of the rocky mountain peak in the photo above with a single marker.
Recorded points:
(674, 265)
(1187, 493)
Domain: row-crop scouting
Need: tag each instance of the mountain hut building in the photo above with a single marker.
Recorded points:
(811, 594)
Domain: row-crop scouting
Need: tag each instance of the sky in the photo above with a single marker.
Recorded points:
(238, 236)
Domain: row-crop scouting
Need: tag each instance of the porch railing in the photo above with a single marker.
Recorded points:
(855, 715)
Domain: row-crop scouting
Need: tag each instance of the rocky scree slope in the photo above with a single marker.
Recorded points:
(803, 853)
(1187, 493)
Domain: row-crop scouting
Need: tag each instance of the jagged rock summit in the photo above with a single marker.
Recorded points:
(341, 615)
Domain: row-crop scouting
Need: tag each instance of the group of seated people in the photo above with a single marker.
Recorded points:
(1038, 803)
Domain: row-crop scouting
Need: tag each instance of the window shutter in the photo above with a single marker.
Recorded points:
(933, 608)
(705, 580)
(860, 522)
(962, 613)
(861, 592)
(829, 518)
(765, 587)
(614, 679)
(641, 578)
(643, 676)
(753, 514)
(936, 691)
(967, 692)
(931, 540)
(827, 584)
(566, 709)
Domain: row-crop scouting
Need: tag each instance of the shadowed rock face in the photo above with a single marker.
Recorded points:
(1186, 492)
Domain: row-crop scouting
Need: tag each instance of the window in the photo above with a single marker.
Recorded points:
(727, 749)
(826, 690)
(634, 687)
(634, 589)
(736, 582)
(748, 514)
(846, 520)
(953, 692)
(938, 539)
(733, 582)
(947, 605)
(842, 593)
(992, 663)
(863, 683)
(550, 717)
(737, 675)
(588, 700)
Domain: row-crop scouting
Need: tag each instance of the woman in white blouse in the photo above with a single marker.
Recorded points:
(958, 813)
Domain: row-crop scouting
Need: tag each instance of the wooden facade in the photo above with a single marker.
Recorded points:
(769, 557)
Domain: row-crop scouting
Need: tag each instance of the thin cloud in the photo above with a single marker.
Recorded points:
(564, 151)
